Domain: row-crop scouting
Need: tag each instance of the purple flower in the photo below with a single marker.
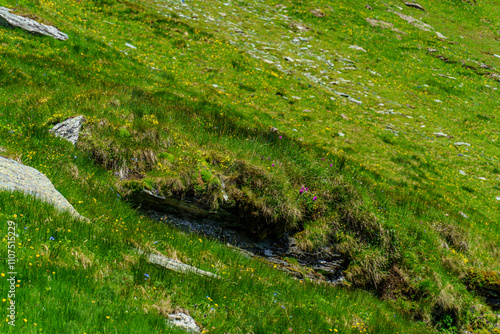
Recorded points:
(315, 198)
(272, 165)
(301, 190)
(281, 137)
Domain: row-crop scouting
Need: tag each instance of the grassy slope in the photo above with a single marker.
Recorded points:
(403, 183)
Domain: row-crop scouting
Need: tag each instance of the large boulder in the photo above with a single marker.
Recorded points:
(7, 19)
(69, 129)
(15, 176)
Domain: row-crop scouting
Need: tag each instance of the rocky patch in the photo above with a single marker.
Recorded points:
(7, 19)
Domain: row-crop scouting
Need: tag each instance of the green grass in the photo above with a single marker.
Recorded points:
(388, 194)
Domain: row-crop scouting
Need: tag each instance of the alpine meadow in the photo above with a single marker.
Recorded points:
(250, 166)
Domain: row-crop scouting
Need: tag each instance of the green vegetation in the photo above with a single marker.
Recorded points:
(201, 103)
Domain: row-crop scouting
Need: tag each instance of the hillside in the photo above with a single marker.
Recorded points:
(349, 148)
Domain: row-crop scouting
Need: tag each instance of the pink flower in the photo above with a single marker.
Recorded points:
(315, 198)
(281, 137)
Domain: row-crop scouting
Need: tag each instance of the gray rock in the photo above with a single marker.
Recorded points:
(463, 215)
(379, 23)
(413, 21)
(358, 48)
(69, 129)
(462, 144)
(180, 319)
(440, 134)
(461, 172)
(354, 100)
(318, 12)
(414, 5)
(175, 265)
(18, 177)
(8, 19)
(440, 35)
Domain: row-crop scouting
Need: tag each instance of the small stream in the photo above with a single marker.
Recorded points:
(283, 253)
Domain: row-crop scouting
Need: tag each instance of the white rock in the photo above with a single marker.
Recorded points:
(69, 129)
(464, 215)
(461, 172)
(440, 134)
(11, 20)
(440, 35)
(183, 320)
(462, 144)
(341, 134)
(17, 177)
(358, 48)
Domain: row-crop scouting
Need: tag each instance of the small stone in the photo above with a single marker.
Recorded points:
(463, 215)
(414, 5)
(379, 23)
(440, 134)
(69, 129)
(440, 35)
(497, 198)
(344, 117)
(289, 59)
(462, 144)
(461, 172)
(368, 7)
(299, 27)
(273, 129)
(358, 48)
(180, 319)
(130, 46)
(318, 12)
(341, 134)
(354, 100)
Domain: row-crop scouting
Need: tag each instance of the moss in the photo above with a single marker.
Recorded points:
(168, 156)
(124, 133)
